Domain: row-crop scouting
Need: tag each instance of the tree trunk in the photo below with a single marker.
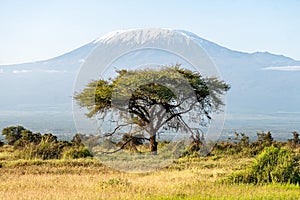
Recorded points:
(153, 145)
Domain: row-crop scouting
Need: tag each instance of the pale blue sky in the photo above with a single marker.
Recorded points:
(35, 30)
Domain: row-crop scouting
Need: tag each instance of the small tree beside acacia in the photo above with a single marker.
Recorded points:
(151, 100)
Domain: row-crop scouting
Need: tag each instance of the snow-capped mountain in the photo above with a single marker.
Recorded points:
(262, 84)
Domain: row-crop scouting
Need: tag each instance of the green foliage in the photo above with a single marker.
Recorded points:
(97, 96)
(31, 145)
(78, 152)
(154, 99)
(28, 137)
(272, 165)
(44, 150)
(13, 133)
(241, 146)
(225, 148)
(18, 136)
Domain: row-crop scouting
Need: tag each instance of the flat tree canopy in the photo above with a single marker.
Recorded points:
(154, 99)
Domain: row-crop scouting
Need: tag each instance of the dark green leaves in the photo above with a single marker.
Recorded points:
(175, 90)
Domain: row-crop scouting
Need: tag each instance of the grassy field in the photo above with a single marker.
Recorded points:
(188, 178)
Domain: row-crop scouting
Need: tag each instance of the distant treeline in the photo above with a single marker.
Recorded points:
(30, 145)
(241, 145)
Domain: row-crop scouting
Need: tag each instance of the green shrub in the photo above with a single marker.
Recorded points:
(27, 137)
(241, 146)
(44, 150)
(79, 152)
(29, 145)
(12, 133)
(272, 165)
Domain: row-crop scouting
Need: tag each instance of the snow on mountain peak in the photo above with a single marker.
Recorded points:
(108, 36)
(157, 35)
(141, 36)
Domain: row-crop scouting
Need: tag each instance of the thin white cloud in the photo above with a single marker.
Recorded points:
(21, 71)
(55, 71)
(1, 71)
(287, 112)
(283, 68)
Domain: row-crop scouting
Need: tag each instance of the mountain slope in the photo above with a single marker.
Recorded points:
(47, 86)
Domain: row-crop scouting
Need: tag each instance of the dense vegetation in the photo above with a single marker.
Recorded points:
(272, 165)
(38, 166)
(30, 145)
(274, 161)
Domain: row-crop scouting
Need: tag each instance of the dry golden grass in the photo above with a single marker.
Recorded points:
(89, 179)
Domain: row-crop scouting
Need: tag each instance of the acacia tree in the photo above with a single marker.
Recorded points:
(152, 100)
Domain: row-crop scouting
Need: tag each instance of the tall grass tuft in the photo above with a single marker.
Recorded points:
(272, 165)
